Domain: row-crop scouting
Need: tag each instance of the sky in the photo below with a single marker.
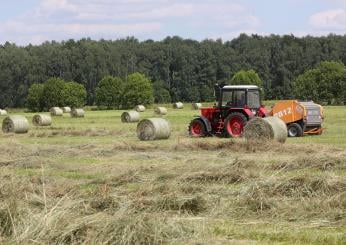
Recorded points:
(36, 21)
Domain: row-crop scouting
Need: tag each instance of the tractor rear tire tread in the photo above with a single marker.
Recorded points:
(229, 117)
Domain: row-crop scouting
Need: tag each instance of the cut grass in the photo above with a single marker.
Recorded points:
(91, 181)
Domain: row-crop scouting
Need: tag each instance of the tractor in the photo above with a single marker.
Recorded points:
(235, 106)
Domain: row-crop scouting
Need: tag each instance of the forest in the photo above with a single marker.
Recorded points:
(185, 69)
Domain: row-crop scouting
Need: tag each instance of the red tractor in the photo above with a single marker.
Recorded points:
(235, 106)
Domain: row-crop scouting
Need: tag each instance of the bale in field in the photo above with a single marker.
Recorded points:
(66, 109)
(140, 108)
(3, 113)
(153, 129)
(178, 105)
(42, 120)
(196, 106)
(130, 116)
(161, 110)
(15, 124)
(77, 112)
(268, 128)
(56, 111)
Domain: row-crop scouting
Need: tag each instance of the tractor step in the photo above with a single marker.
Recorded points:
(220, 126)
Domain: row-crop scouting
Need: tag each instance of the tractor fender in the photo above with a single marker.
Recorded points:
(248, 113)
(205, 122)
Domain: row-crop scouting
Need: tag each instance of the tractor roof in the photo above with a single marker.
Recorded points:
(240, 87)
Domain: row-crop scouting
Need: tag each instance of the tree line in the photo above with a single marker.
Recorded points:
(179, 69)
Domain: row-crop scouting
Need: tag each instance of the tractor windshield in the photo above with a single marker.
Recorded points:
(253, 99)
(233, 98)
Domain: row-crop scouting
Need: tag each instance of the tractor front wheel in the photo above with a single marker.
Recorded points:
(234, 124)
(197, 128)
(294, 130)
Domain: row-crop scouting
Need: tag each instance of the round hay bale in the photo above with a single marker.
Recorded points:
(66, 109)
(161, 110)
(42, 120)
(153, 129)
(263, 129)
(56, 111)
(196, 106)
(130, 116)
(15, 124)
(140, 108)
(178, 105)
(3, 113)
(77, 112)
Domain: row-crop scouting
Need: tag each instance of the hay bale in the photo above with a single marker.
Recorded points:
(56, 111)
(268, 128)
(140, 108)
(15, 124)
(77, 112)
(66, 109)
(178, 105)
(3, 113)
(153, 129)
(130, 116)
(161, 110)
(196, 106)
(42, 120)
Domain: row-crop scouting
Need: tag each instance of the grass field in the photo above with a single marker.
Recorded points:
(90, 180)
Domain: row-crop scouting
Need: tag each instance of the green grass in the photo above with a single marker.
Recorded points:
(90, 180)
(98, 123)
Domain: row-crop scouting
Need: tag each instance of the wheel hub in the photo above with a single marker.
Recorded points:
(235, 127)
(292, 132)
(196, 129)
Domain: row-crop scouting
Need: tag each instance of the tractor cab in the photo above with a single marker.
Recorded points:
(238, 96)
(234, 106)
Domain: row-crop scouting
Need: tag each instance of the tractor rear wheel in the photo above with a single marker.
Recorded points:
(197, 128)
(294, 130)
(234, 124)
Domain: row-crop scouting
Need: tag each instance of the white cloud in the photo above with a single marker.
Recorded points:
(332, 20)
(110, 19)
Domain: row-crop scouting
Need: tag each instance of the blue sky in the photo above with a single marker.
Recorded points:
(35, 21)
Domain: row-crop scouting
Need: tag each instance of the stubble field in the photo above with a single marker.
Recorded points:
(91, 181)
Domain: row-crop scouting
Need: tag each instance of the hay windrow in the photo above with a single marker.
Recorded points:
(234, 173)
(327, 163)
(190, 205)
(92, 132)
(236, 176)
(175, 200)
(298, 186)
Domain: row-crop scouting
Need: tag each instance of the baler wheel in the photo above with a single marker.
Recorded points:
(294, 130)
